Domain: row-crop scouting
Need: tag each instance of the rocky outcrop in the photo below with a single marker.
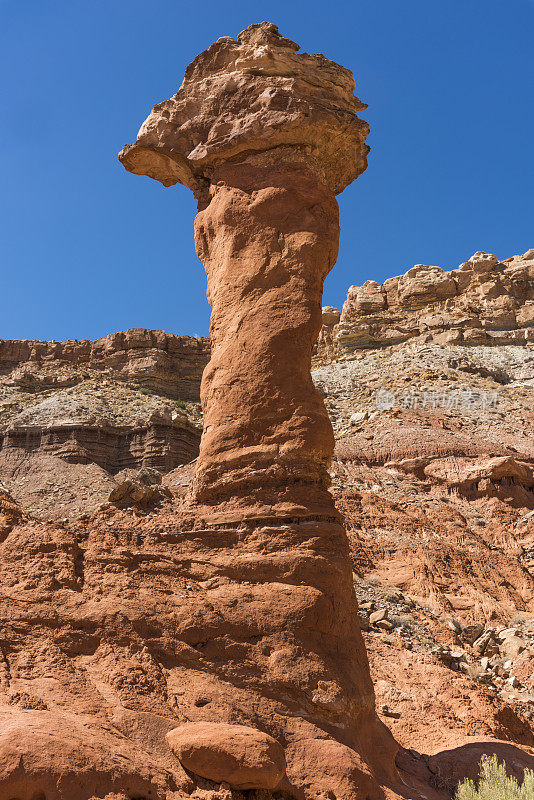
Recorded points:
(484, 301)
(10, 512)
(61, 447)
(252, 95)
(161, 443)
(266, 440)
(235, 754)
(141, 489)
(486, 477)
(275, 138)
(163, 363)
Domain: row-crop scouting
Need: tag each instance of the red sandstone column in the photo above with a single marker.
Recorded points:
(267, 233)
(266, 138)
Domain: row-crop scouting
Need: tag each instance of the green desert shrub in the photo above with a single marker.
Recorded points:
(494, 784)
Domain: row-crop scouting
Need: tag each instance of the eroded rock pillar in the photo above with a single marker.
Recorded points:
(266, 138)
(267, 233)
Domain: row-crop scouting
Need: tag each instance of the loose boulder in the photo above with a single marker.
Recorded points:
(236, 754)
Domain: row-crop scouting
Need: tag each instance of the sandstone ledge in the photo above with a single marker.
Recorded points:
(484, 301)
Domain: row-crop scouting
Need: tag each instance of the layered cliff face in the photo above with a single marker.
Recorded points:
(484, 301)
(165, 364)
(74, 416)
(429, 382)
(434, 460)
(433, 373)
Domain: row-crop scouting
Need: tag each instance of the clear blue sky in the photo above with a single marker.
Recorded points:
(86, 248)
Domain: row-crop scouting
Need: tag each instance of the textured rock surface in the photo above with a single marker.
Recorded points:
(419, 548)
(118, 630)
(236, 754)
(251, 95)
(267, 439)
(101, 619)
(259, 153)
(163, 363)
(74, 415)
(101, 623)
(484, 301)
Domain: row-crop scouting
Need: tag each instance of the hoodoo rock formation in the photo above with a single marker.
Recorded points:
(266, 138)
(174, 631)
(275, 137)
